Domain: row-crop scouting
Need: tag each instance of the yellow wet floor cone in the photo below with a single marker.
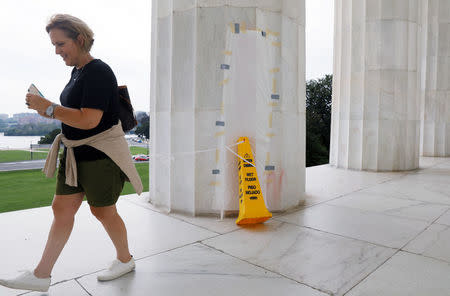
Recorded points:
(252, 208)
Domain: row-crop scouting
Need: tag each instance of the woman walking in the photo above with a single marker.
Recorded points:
(96, 160)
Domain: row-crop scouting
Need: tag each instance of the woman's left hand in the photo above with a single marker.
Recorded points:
(37, 103)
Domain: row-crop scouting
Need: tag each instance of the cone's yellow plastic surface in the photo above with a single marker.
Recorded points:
(252, 208)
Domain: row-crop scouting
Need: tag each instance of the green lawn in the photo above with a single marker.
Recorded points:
(19, 155)
(31, 189)
(138, 150)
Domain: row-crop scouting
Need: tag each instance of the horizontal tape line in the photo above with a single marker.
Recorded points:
(244, 27)
(273, 33)
(172, 156)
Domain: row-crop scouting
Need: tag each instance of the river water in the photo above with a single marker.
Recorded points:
(17, 142)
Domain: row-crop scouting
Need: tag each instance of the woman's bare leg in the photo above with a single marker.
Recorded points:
(114, 226)
(64, 209)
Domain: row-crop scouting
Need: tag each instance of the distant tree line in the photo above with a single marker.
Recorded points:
(30, 129)
(48, 139)
(318, 120)
(3, 126)
(141, 130)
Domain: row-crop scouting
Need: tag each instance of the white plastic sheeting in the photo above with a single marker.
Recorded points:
(222, 70)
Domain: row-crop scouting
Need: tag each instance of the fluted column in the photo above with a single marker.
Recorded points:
(376, 95)
(435, 128)
(222, 69)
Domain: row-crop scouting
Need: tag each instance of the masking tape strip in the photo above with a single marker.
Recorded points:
(227, 52)
(215, 172)
(219, 134)
(225, 67)
(273, 104)
(214, 184)
(274, 85)
(270, 119)
(273, 33)
(275, 97)
(220, 123)
(270, 135)
(225, 81)
(276, 44)
(274, 70)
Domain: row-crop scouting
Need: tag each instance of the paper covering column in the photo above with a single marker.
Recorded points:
(376, 85)
(218, 68)
(435, 128)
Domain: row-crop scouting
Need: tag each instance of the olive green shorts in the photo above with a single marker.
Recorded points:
(101, 180)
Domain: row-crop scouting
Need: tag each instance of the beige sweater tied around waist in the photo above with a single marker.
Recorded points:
(111, 142)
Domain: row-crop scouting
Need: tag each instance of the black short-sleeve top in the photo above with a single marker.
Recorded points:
(93, 86)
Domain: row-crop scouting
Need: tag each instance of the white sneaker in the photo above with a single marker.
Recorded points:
(27, 281)
(116, 270)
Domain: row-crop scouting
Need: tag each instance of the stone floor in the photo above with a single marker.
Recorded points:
(360, 233)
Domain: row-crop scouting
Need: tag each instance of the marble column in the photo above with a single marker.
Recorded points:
(435, 127)
(222, 69)
(376, 85)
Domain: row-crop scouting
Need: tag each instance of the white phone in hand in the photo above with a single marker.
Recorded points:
(35, 91)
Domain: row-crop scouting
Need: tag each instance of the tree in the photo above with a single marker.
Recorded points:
(30, 129)
(3, 125)
(318, 120)
(143, 128)
(50, 137)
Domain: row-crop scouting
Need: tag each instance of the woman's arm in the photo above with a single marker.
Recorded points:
(84, 118)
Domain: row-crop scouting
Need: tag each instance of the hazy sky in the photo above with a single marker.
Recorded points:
(319, 38)
(122, 40)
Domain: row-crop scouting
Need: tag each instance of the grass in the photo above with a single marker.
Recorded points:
(20, 155)
(138, 150)
(31, 189)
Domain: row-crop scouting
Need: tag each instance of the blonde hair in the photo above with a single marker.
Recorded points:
(72, 27)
